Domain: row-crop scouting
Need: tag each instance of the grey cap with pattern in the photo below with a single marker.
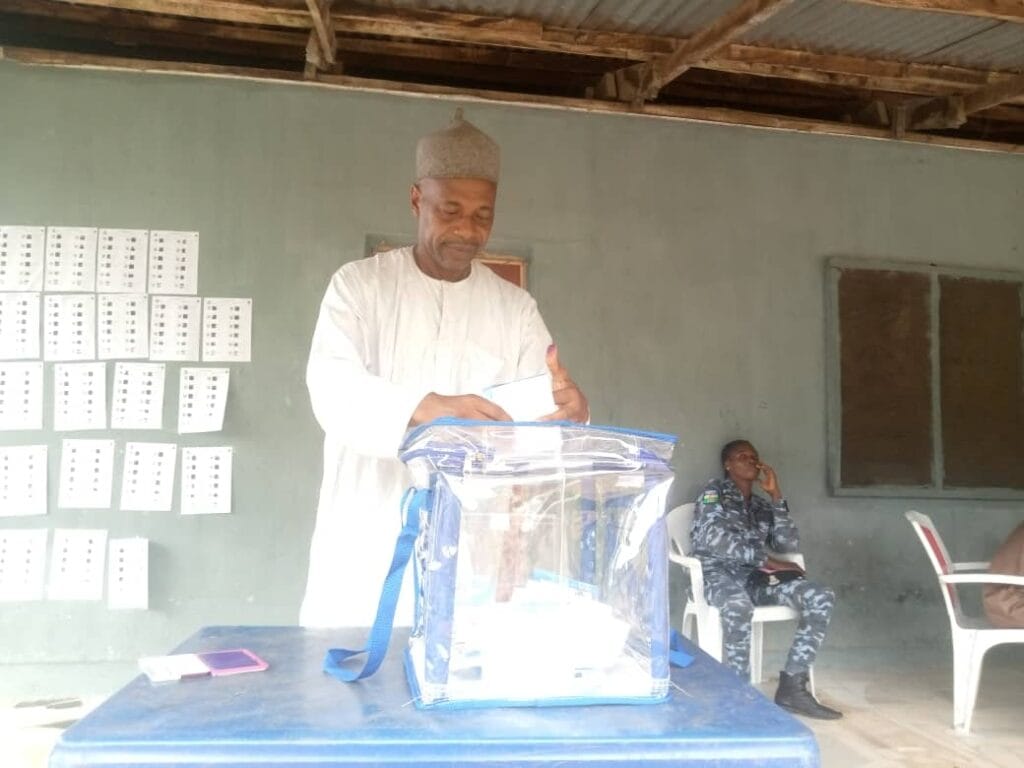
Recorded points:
(460, 151)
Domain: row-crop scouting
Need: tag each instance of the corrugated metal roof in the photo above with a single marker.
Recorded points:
(837, 26)
(828, 26)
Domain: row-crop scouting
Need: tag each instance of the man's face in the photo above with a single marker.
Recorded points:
(454, 218)
(743, 463)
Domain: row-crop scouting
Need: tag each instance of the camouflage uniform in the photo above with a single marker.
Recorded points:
(730, 539)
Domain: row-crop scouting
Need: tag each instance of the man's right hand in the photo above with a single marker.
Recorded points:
(434, 406)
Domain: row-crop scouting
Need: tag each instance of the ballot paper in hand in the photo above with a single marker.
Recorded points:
(526, 399)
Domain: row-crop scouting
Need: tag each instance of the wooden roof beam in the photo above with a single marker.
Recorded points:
(432, 27)
(952, 111)
(638, 83)
(322, 46)
(670, 111)
(1003, 10)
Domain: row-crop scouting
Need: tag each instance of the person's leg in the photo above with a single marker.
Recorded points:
(733, 603)
(814, 602)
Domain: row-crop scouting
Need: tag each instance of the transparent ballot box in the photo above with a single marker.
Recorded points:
(540, 563)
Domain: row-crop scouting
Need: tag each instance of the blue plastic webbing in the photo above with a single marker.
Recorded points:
(380, 635)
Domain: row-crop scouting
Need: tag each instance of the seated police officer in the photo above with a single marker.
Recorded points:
(734, 533)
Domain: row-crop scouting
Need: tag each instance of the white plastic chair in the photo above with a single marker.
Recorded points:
(972, 637)
(709, 621)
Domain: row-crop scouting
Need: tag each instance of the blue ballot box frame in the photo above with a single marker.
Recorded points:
(293, 714)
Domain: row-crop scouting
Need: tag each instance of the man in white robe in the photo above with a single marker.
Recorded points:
(403, 338)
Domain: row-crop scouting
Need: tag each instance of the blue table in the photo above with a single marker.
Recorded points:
(293, 714)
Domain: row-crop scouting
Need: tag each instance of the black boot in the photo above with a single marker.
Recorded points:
(794, 697)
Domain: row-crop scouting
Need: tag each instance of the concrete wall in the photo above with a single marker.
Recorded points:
(679, 266)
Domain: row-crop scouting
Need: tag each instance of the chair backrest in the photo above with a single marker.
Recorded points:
(679, 521)
(939, 557)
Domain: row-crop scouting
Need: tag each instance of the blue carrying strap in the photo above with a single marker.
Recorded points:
(380, 635)
(677, 657)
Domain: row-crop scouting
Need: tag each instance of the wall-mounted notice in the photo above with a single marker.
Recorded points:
(70, 327)
(147, 484)
(227, 330)
(128, 574)
(206, 481)
(123, 327)
(202, 397)
(21, 396)
(121, 266)
(79, 396)
(70, 259)
(174, 328)
(21, 258)
(76, 564)
(19, 326)
(23, 563)
(22, 480)
(138, 401)
(173, 262)
(86, 474)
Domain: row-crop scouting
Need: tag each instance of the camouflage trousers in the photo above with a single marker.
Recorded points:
(736, 603)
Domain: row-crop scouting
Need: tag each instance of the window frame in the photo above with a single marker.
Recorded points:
(833, 380)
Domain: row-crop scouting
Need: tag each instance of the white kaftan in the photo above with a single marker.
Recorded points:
(388, 335)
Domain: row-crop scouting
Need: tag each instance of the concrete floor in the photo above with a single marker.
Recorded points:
(896, 715)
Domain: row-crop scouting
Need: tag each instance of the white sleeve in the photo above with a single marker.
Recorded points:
(363, 412)
(535, 342)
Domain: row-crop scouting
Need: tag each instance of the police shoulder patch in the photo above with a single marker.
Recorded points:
(710, 497)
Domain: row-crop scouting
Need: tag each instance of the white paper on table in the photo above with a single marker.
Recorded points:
(121, 266)
(128, 574)
(526, 399)
(123, 325)
(76, 564)
(206, 480)
(69, 327)
(70, 259)
(23, 563)
(227, 330)
(19, 326)
(21, 258)
(21, 396)
(202, 398)
(147, 483)
(22, 480)
(79, 396)
(138, 401)
(86, 474)
(173, 262)
(174, 328)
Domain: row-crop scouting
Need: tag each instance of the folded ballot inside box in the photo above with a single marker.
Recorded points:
(541, 565)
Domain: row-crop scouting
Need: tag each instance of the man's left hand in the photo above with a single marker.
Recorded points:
(572, 404)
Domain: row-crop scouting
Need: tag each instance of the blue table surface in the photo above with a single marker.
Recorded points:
(294, 714)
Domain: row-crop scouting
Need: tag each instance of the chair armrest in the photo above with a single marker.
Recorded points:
(693, 567)
(982, 578)
(975, 566)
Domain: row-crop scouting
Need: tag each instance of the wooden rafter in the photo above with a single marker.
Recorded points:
(433, 27)
(1004, 10)
(668, 111)
(474, 50)
(702, 45)
(953, 111)
(323, 32)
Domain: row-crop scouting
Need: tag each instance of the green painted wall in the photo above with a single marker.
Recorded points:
(679, 266)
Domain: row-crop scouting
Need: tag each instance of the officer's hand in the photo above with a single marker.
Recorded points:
(770, 482)
(572, 405)
(434, 406)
